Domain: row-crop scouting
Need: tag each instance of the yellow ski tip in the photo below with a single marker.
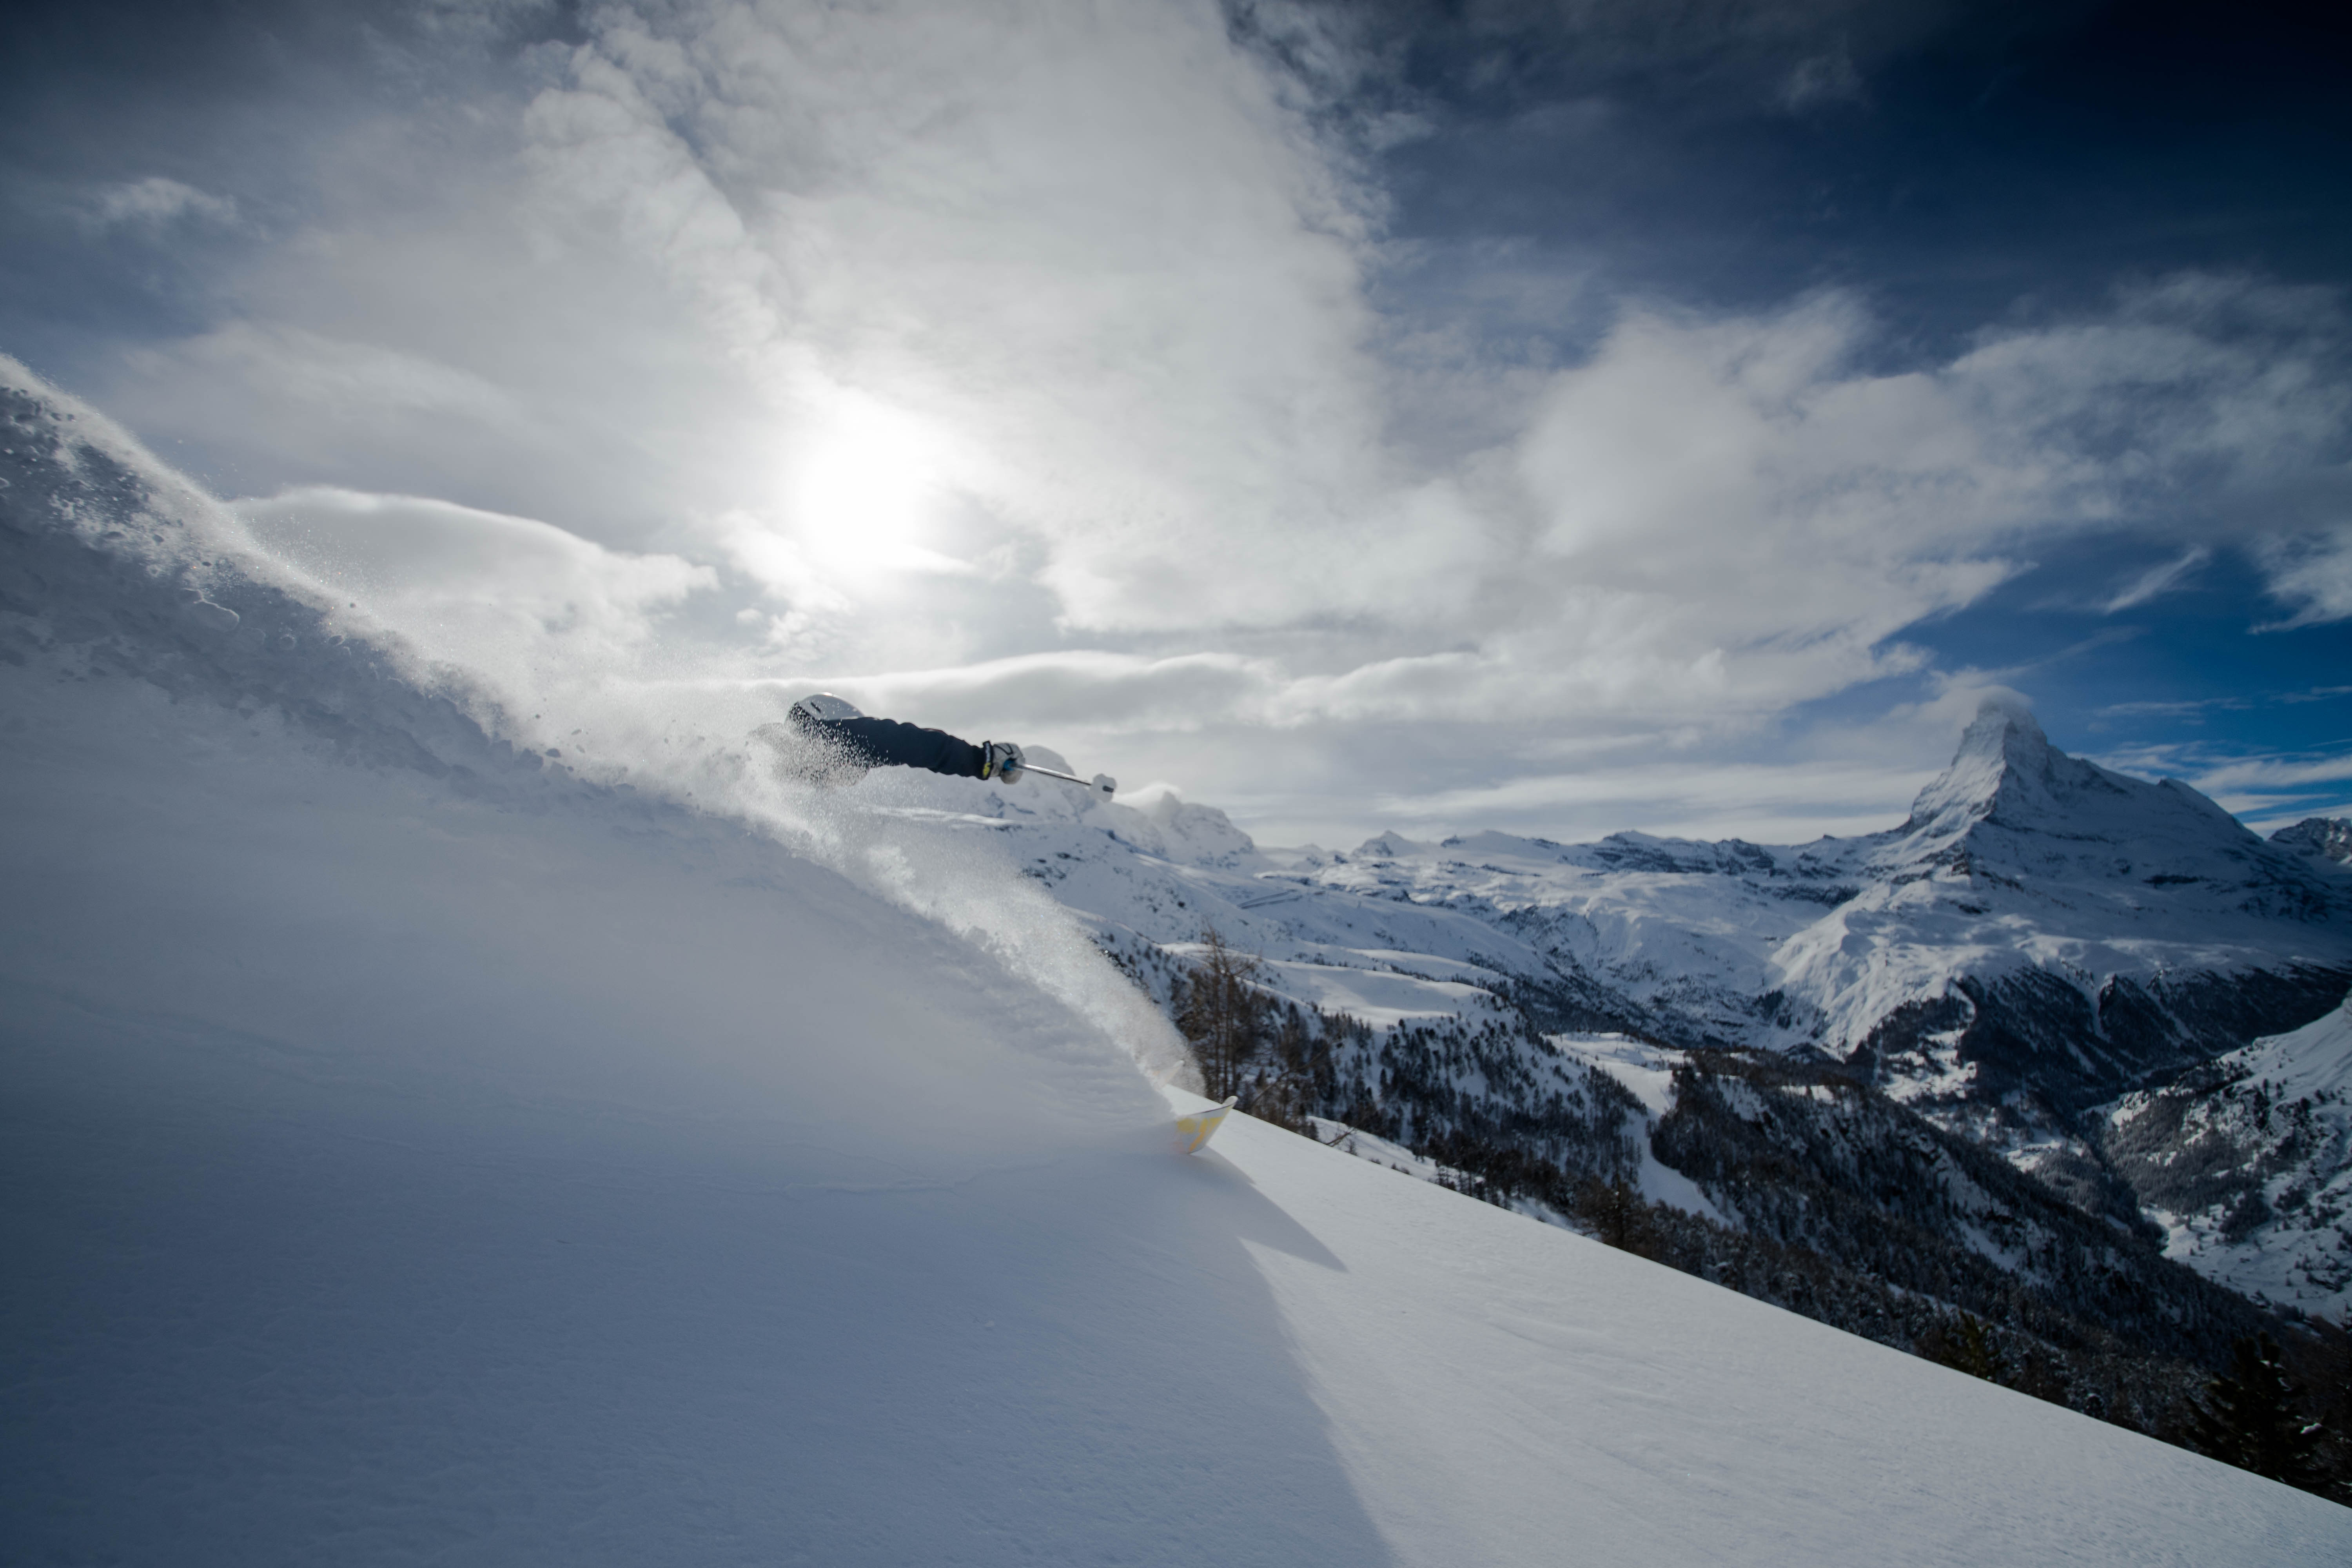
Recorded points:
(1194, 1132)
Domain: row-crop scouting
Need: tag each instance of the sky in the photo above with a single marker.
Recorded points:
(1560, 418)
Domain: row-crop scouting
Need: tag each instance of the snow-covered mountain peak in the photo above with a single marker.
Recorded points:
(2006, 771)
(1388, 846)
(2326, 839)
(2014, 805)
(1191, 835)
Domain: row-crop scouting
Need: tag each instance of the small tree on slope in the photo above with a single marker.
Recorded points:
(1302, 1063)
(1221, 1015)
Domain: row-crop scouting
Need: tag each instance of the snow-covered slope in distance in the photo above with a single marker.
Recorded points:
(2247, 1163)
(2039, 934)
(413, 1149)
(2326, 839)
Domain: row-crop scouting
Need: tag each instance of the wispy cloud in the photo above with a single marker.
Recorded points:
(2269, 790)
(2158, 580)
(2311, 571)
(2187, 708)
(1820, 79)
(155, 202)
(501, 594)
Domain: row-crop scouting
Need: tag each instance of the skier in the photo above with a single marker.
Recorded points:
(847, 744)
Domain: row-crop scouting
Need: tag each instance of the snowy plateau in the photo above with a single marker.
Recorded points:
(433, 1135)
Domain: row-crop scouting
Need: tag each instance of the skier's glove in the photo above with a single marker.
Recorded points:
(1001, 760)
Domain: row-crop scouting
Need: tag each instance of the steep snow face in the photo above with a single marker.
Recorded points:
(415, 1145)
(2247, 1163)
(1486, 1379)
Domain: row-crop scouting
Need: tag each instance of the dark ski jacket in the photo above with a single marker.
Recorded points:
(887, 743)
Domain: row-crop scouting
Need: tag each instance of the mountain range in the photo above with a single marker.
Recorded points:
(2043, 944)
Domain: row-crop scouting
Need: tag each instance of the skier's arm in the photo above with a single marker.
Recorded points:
(887, 743)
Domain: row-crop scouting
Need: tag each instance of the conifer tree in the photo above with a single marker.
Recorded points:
(2249, 1418)
(2320, 1362)
(1288, 1095)
(1967, 1347)
(1221, 1015)
(1618, 1213)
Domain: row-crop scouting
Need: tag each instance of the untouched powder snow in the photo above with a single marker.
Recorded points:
(1504, 1392)
(417, 1147)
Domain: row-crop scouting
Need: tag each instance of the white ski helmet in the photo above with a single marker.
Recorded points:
(822, 708)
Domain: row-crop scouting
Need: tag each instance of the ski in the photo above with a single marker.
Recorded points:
(1194, 1132)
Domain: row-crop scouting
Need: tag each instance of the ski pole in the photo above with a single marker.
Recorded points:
(1102, 785)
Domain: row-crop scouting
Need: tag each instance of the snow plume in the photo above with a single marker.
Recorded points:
(561, 635)
(542, 639)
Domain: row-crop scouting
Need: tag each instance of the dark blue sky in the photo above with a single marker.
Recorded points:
(1977, 168)
(2008, 160)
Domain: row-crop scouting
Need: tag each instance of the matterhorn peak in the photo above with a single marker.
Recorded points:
(2007, 775)
(2004, 759)
(2005, 728)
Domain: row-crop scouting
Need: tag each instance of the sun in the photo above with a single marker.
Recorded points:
(867, 488)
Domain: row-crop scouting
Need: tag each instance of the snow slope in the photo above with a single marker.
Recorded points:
(1503, 1392)
(415, 1146)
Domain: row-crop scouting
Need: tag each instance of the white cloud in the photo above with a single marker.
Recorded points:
(1090, 251)
(2311, 571)
(2267, 790)
(2158, 579)
(1019, 358)
(155, 202)
(2271, 773)
(358, 381)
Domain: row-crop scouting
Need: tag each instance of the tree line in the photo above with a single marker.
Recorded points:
(1545, 1135)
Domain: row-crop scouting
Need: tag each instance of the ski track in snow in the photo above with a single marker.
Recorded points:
(413, 1151)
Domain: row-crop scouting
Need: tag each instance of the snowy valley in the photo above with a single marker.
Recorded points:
(440, 1126)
